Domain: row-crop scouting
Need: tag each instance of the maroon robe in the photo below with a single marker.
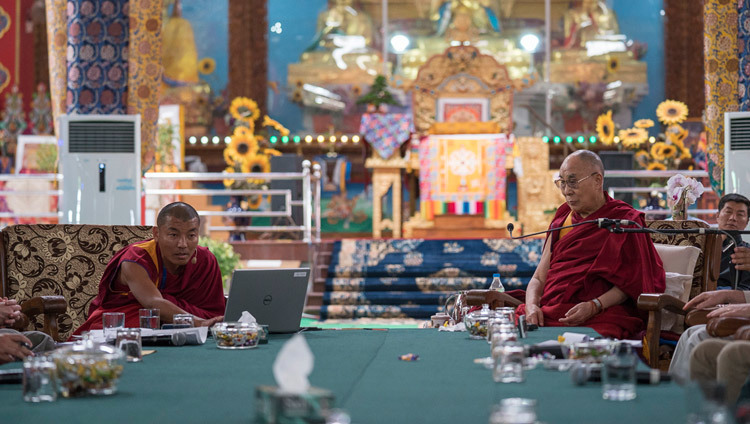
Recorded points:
(588, 261)
(197, 289)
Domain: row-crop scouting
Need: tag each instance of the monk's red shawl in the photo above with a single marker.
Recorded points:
(588, 261)
(197, 289)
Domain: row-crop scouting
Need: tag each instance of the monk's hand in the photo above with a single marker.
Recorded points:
(741, 258)
(201, 322)
(14, 347)
(712, 298)
(579, 313)
(739, 311)
(534, 315)
(10, 311)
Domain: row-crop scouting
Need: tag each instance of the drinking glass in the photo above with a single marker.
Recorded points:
(618, 374)
(129, 341)
(706, 403)
(149, 318)
(509, 363)
(183, 319)
(514, 411)
(111, 321)
(39, 379)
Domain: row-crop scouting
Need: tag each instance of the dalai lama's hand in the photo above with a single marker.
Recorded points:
(201, 322)
(534, 315)
(579, 314)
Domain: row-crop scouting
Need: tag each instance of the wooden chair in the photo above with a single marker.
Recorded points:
(704, 279)
(53, 271)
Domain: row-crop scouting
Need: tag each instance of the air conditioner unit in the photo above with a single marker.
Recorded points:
(100, 160)
(737, 153)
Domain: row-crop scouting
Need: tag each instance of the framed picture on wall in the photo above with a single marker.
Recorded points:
(170, 138)
(471, 109)
(36, 154)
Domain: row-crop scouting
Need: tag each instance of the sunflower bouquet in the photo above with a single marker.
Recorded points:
(652, 153)
(246, 153)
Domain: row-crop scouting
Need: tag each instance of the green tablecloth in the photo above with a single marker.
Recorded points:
(201, 384)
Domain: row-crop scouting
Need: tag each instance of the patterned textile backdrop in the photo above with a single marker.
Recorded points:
(683, 54)
(463, 174)
(97, 56)
(145, 70)
(743, 44)
(57, 41)
(721, 67)
(8, 42)
(63, 260)
(413, 278)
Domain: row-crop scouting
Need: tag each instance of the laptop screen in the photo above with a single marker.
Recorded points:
(275, 297)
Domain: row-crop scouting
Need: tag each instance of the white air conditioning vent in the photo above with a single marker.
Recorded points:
(101, 164)
(101, 137)
(737, 152)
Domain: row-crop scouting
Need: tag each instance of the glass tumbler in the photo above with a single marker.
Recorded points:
(618, 374)
(39, 379)
(129, 341)
(508, 363)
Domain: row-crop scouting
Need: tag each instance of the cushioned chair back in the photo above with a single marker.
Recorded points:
(64, 260)
(707, 267)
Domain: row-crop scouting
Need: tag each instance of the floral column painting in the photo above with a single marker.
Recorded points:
(56, 43)
(145, 71)
(721, 68)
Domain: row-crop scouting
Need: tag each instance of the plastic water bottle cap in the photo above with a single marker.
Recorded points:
(495, 275)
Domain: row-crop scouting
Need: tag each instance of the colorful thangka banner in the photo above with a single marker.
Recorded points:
(463, 174)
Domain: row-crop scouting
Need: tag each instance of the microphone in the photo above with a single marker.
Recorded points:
(607, 222)
(582, 373)
(510, 229)
(174, 339)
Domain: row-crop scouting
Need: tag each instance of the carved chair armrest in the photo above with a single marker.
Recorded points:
(494, 298)
(50, 307)
(725, 326)
(655, 304)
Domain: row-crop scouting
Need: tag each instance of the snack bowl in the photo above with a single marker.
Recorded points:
(591, 351)
(88, 368)
(477, 322)
(236, 335)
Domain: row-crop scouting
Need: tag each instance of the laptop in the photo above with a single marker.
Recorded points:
(275, 297)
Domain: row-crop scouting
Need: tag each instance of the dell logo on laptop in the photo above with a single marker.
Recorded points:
(267, 300)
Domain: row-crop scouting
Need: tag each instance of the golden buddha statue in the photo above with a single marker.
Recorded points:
(591, 20)
(341, 52)
(481, 13)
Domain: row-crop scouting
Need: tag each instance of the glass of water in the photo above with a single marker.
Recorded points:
(39, 379)
(111, 321)
(618, 374)
(508, 363)
(129, 341)
(183, 320)
(149, 318)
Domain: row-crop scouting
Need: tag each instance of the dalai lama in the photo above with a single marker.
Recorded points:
(588, 276)
(169, 272)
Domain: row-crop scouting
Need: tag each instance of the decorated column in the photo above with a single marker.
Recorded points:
(145, 71)
(721, 74)
(57, 41)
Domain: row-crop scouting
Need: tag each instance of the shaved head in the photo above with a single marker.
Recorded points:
(589, 158)
(177, 210)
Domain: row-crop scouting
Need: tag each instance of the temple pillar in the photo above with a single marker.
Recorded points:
(248, 50)
(56, 45)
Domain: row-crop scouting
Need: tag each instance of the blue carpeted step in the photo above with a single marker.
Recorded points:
(385, 298)
(422, 284)
(378, 311)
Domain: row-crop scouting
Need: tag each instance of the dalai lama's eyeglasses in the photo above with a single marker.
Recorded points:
(571, 182)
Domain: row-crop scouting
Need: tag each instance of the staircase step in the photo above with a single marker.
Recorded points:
(378, 311)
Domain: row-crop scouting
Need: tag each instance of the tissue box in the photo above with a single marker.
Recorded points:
(275, 407)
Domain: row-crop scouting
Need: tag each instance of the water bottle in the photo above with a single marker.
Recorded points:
(497, 285)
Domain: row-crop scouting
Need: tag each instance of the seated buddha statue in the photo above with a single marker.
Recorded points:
(590, 20)
(481, 13)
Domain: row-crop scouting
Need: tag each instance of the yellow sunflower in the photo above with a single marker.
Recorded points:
(633, 137)
(605, 128)
(254, 201)
(256, 163)
(206, 66)
(686, 154)
(271, 152)
(242, 131)
(668, 151)
(656, 166)
(676, 134)
(268, 122)
(644, 123)
(242, 147)
(613, 65)
(244, 109)
(228, 182)
(671, 112)
(657, 150)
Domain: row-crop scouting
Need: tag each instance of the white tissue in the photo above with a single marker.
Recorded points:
(453, 328)
(572, 338)
(247, 317)
(292, 366)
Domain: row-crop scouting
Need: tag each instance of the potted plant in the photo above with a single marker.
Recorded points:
(378, 98)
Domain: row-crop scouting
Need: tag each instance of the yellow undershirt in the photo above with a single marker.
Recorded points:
(568, 221)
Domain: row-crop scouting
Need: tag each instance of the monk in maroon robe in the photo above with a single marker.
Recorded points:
(169, 272)
(588, 276)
